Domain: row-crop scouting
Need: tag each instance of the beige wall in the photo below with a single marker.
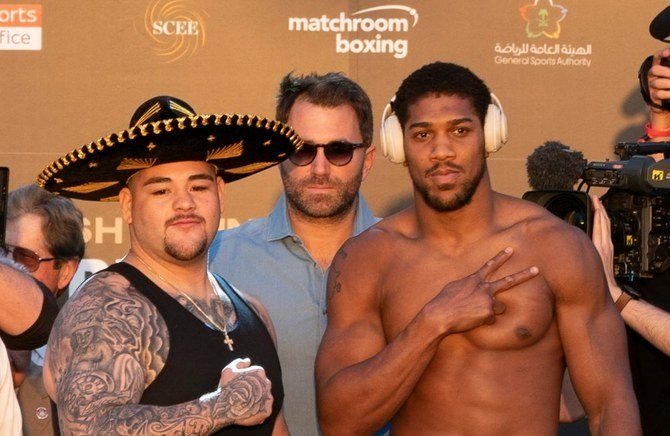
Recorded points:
(98, 63)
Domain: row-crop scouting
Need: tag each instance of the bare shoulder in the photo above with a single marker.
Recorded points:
(565, 254)
(106, 322)
(366, 251)
(536, 223)
(362, 260)
(378, 240)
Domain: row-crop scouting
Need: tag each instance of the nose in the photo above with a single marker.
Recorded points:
(183, 200)
(320, 165)
(442, 148)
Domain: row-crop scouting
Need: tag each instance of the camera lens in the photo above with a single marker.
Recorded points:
(570, 209)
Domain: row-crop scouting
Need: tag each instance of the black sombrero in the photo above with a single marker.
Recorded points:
(164, 130)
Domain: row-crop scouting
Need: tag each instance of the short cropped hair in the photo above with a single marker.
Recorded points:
(441, 78)
(327, 90)
(62, 222)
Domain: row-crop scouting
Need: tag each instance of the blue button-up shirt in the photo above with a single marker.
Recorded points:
(266, 259)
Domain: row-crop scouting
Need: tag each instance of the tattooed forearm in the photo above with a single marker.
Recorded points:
(244, 396)
(244, 400)
(195, 417)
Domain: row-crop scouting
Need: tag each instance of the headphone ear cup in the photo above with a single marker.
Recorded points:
(391, 136)
(495, 126)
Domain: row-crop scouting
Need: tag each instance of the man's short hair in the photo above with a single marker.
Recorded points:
(327, 90)
(441, 78)
(62, 222)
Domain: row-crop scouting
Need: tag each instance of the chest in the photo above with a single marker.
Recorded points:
(421, 274)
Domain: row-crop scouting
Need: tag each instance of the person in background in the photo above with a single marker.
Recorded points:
(45, 235)
(283, 259)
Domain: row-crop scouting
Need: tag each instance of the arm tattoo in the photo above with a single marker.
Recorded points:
(334, 285)
(243, 396)
(108, 344)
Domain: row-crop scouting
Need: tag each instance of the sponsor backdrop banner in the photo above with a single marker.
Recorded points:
(71, 73)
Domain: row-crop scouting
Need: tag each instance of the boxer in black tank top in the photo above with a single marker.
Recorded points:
(132, 352)
(197, 353)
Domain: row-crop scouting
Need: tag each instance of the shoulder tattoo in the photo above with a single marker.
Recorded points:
(107, 345)
(334, 285)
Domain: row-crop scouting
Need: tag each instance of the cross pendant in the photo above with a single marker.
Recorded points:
(228, 342)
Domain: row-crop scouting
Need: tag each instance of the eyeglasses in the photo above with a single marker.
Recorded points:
(338, 153)
(27, 258)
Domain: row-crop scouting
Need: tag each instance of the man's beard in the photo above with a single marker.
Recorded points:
(184, 250)
(185, 253)
(322, 206)
(462, 194)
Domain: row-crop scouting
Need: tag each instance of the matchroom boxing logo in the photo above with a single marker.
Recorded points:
(378, 32)
(176, 28)
(20, 27)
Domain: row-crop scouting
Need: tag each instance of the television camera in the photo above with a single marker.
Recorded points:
(637, 202)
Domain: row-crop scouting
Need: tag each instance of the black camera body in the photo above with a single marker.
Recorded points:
(640, 232)
(638, 204)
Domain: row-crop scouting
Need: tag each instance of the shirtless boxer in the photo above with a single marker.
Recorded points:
(430, 328)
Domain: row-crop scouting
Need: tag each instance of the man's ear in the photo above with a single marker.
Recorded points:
(66, 272)
(369, 159)
(220, 187)
(126, 202)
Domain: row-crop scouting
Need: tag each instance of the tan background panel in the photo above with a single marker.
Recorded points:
(97, 64)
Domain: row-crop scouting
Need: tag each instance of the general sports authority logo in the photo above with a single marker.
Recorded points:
(543, 18)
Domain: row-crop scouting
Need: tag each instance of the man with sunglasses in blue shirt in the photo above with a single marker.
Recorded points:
(283, 259)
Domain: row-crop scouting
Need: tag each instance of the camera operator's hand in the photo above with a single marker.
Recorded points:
(659, 79)
(602, 239)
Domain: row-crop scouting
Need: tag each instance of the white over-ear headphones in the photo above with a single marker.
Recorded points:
(495, 131)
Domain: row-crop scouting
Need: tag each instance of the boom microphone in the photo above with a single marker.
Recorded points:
(553, 166)
(659, 27)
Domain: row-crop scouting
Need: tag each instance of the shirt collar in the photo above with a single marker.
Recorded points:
(279, 226)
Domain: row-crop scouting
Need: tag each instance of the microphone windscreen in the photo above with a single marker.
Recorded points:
(660, 26)
(553, 166)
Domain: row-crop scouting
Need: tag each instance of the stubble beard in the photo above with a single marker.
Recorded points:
(183, 252)
(182, 248)
(461, 197)
(322, 206)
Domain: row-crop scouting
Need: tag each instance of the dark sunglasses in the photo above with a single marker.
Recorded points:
(338, 153)
(27, 258)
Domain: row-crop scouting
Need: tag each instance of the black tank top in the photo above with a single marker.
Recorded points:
(197, 353)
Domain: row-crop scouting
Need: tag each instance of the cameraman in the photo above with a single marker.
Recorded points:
(647, 318)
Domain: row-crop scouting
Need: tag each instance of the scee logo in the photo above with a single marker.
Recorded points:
(173, 27)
